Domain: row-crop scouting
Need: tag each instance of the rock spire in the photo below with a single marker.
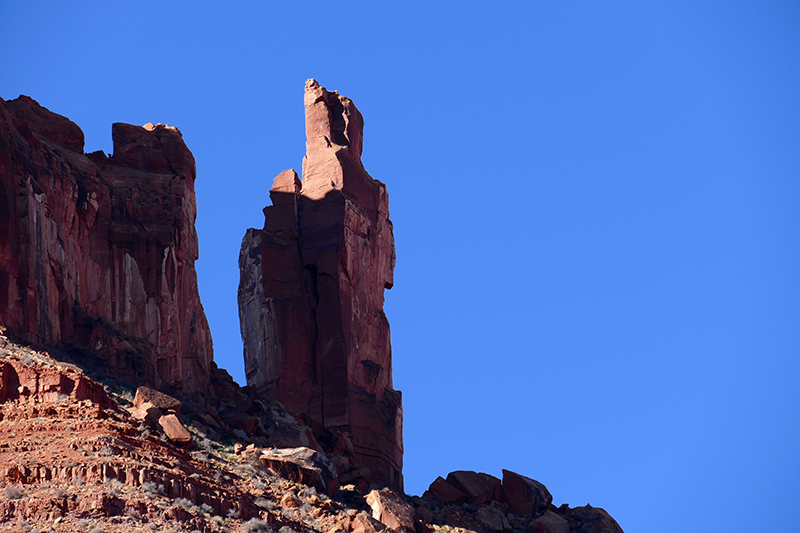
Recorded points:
(311, 292)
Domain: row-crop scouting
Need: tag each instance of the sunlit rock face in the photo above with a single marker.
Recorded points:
(98, 252)
(311, 291)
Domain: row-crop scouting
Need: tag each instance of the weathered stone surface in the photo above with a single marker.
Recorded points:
(523, 494)
(549, 522)
(423, 514)
(363, 523)
(146, 412)
(162, 401)
(99, 252)
(443, 491)
(479, 487)
(285, 431)
(493, 519)
(32, 382)
(52, 127)
(391, 510)
(588, 519)
(173, 429)
(311, 292)
(302, 465)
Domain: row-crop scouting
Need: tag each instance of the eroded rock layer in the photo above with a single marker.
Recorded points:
(311, 291)
(98, 252)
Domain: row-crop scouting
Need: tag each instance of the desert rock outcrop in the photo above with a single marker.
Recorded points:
(97, 253)
(311, 292)
(481, 502)
(302, 465)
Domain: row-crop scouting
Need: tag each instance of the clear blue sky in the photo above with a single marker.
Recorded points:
(596, 206)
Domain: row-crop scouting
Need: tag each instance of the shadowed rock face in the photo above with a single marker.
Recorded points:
(98, 253)
(311, 291)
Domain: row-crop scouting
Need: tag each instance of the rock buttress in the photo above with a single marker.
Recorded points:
(98, 253)
(311, 292)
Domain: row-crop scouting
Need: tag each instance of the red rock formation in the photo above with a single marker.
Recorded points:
(174, 430)
(163, 402)
(48, 384)
(99, 252)
(589, 519)
(479, 487)
(311, 291)
(480, 502)
(443, 491)
(59, 427)
(524, 495)
(302, 465)
(392, 511)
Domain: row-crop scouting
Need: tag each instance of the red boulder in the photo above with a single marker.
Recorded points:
(479, 487)
(524, 495)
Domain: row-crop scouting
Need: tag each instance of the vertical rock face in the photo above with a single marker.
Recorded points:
(311, 291)
(99, 252)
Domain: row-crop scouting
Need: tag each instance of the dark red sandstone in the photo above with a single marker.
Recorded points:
(311, 291)
(98, 252)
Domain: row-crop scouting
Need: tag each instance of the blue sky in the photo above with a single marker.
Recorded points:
(596, 210)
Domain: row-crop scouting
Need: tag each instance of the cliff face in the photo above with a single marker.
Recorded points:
(97, 260)
(98, 253)
(311, 291)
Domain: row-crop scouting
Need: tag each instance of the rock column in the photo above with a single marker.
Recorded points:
(311, 291)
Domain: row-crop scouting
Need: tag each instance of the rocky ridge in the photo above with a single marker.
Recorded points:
(82, 448)
(76, 455)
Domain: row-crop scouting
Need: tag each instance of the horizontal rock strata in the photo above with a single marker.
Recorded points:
(57, 426)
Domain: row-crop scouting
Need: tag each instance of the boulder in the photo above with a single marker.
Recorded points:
(549, 522)
(524, 495)
(363, 523)
(164, 402)
(492, 519)
(391, 510)
(311, 292)
(146, 412)
(174, 430)
(444, 492)
(479, 487)
(590, 519)
(302, 465)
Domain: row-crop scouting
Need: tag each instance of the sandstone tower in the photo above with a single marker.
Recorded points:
(311, 292)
